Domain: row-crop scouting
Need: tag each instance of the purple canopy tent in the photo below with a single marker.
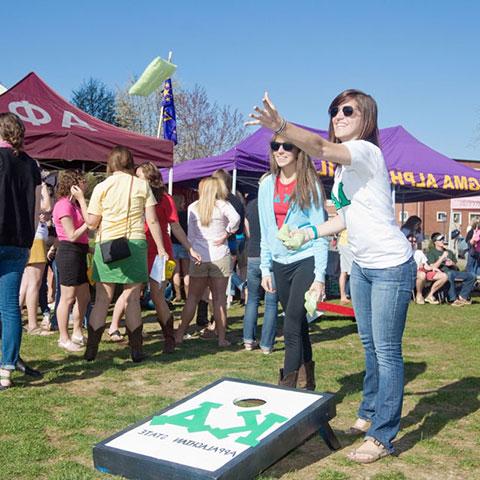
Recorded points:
(417, 172)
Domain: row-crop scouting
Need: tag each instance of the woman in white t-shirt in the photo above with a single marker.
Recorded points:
(383, 272)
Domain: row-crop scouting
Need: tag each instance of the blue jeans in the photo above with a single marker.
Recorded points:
(12, 264)
(380, 299)
(468, 283)
(235, 283)
(269, 328)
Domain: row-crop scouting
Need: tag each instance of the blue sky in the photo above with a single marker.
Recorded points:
(419, 59)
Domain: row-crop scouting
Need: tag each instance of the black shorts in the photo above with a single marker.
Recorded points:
(71, 259)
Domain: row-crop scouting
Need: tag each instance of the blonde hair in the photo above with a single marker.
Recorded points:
(209, 191)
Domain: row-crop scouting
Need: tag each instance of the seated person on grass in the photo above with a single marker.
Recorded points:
(440, 257)
(426, 273)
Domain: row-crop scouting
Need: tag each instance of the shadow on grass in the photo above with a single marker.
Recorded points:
(73, 367)
(354, 382)
(437, 408)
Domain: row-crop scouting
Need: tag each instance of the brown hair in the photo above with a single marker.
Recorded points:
(154, 178)
(120, 159)
(223, 176)
(308, 181)
(66, 180)
(368, 109)
(210, 190)
(12, 130)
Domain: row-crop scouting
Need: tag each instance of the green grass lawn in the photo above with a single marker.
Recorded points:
(48, 427)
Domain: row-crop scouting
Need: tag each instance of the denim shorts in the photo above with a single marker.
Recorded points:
(179, 251)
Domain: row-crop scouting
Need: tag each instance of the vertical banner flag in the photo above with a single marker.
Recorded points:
(169, 118)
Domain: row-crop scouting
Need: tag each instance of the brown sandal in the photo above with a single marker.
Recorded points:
(115, 336)
(370, 451)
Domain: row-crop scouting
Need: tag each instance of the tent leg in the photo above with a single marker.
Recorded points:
(234, 180)
(170, 180)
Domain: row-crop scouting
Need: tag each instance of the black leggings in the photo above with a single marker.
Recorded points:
(292, 281)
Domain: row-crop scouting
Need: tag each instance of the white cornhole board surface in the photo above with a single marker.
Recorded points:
(207, 435)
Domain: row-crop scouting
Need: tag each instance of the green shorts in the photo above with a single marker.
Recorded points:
(128, 270)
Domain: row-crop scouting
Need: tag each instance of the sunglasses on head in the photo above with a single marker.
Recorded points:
(275, 146)
(347, 111)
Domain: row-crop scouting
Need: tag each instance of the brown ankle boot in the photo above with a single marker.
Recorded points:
(168, 335)
(135, 340)
(306, 376)
(93, 341)
(289, 380)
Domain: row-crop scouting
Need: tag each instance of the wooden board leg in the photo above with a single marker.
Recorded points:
(329, 436)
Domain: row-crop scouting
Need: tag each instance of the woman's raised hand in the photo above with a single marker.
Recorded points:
(76, 192)
(267, 116)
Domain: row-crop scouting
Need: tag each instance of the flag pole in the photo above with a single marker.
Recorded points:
(159, 129)
(159, 133)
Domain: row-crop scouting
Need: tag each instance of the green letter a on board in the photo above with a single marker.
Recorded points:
(193, 420)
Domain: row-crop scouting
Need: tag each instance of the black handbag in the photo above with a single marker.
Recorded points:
(113, 250)
(117, 249)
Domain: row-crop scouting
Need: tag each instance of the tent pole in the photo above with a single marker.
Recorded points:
(170, 180)
(403, 207)
(234, 181)
(393, 196)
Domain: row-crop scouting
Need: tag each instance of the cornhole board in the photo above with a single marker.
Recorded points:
(231, 429)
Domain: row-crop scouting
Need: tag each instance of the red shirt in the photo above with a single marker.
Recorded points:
(166, 213)
(281, 199)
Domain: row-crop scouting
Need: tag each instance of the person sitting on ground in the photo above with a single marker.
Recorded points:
(440, 257)
(426, 273)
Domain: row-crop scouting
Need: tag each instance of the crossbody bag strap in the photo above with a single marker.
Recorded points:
(128, 208)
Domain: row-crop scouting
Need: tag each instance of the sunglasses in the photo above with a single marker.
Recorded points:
(288, 147)
(347, 111)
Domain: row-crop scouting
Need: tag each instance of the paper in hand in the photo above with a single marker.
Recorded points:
(157, 272)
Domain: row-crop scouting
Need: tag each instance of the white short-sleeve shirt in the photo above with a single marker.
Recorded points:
(361, 193)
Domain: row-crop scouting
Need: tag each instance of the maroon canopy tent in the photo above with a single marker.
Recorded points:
(57, 131)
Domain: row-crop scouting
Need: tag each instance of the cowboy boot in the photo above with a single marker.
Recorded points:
(135, 340)
(306, 376)
(168, 335)
(93, 341)
(289, 380)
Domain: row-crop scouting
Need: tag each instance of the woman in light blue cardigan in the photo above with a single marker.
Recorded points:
(292, 194)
